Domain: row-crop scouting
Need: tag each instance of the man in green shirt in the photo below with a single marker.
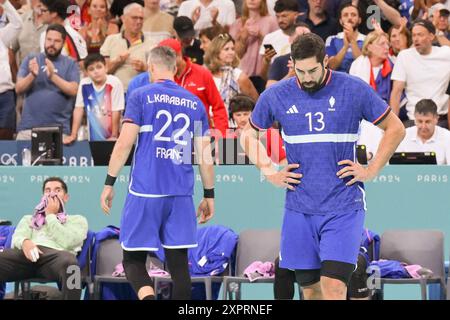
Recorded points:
(45, 244)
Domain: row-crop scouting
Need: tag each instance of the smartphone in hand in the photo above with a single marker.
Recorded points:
(268, 46)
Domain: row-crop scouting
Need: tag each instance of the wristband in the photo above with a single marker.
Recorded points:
(109, 181)
(208, 193)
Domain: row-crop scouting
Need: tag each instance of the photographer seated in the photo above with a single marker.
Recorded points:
(45, 244)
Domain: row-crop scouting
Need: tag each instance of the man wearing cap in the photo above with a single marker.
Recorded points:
(423, 71)
(206, 13)
(438, 15)
(199, 81)
(184, 29)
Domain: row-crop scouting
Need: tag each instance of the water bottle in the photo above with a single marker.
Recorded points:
(26, 157)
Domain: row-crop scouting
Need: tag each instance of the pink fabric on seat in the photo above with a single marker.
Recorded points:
(258, 269)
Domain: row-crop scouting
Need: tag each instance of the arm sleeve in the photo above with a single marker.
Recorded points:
(42, 42)
(73, 73)
(374, 109)
(79, 102)
(399, 72)
(23, 69)
(22, 232)
(262, 116)
(12, 29)
(330, 49)
(133, 113)
(117, 95)
(105, 49)
(69, 235)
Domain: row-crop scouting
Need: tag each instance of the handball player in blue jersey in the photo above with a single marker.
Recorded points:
(319, 112)
(163, 119)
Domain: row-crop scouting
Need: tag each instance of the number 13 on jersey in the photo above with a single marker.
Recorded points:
(315, 121)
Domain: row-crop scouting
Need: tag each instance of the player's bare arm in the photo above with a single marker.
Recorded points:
(203, 152)
(394, 132)
(257, 154)
(119, 156)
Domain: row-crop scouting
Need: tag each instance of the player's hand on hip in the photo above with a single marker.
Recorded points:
(106, 198)
(205, 210)
(357, 171)
(284, 178)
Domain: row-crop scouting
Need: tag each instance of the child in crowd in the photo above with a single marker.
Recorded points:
(241, 107)
(101, 96)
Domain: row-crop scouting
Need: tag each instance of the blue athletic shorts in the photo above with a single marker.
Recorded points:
(307, 240)
(149, 223)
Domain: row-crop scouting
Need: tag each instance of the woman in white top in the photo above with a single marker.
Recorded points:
(222, 61)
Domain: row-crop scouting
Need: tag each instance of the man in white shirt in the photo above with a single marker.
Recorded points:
(423, 72)
(286, 12)
(206, 13)
(426, 136)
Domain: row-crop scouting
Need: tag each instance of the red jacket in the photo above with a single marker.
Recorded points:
(199, 81)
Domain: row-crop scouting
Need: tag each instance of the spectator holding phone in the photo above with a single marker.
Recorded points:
(278, 43)
(282, 67)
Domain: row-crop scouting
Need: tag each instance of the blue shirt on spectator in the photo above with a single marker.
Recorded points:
(142, 79)
(279, 69)
(335, 43)
(45, 104)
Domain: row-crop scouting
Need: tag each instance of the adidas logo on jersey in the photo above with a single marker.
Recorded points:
(292, 110)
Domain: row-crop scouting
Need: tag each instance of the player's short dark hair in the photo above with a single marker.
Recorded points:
(307, 46)
(347, 4)
(57, 179)
(286, 5)
(93, 58)
(425, 106)
(241, 103)
(58, 6)
(58, 28)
